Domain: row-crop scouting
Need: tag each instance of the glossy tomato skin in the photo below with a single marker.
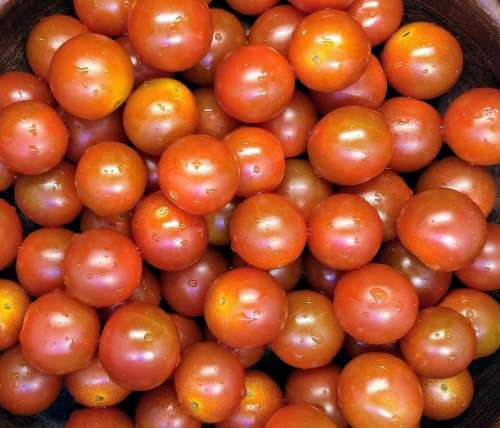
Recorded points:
(107, 17)
(317, 387)
(246, 308)
(214, 121)
(263, 398)
(368, 91)
(25, 390)
(483, 312)
(267, 231)
(7, 176)
(39, 263)
(441, 344)
(431, 226)
(14, 303)
(120, 223)
(447, 398)
(299, 415)
(294, 124)
(99, 418)
(350, 145)
(139, 346)
(260, 158)
(188, 331)
(102, 267)
(228, 34)
(416, 128)
(48, 35)
(422, 60)
(380, 19)
(275, 28)
(49, 199)
(210, 382)
(160, 408)
(159, 112)
(91, 76)
(185, 290)
(92, 386)
(329, 50)
(167, 237)
(375, 304)
(11, 233)
(453, 173)
(308, 6)
(345, 232)
(472, 126)
(312, 344)
(59, 334)
(484, 272)
(21, 86)
(253, 7)
(430, 285)
(86, 133)
(320, 277)
(218, 224)
(396, 402)
(174, 43)
(33, 138)
(262, 85)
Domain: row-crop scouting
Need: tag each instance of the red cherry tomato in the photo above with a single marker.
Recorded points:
(14, 302)
(320, 277)
(105, 17)
(218, 224)
(252, 7)
(151, 163)
(309, 6)
(298, 416)
(121, 223)
(21, 86)
(99, 418)
(188, 331)
(7, 176)
(11, 234)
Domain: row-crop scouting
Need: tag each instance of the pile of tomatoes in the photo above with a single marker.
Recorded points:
(177, 174)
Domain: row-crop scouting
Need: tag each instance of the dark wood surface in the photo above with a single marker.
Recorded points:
(476, 23)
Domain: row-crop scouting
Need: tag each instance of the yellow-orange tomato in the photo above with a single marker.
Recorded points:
(14, 302)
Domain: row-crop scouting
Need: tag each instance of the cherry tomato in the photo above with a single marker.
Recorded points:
(214, 121)
(120, 223)
(388, 194)
(86, 133)
(185, 290)
(262, 83)
(48, 35)
(294, 124)
(345, 232)
(99, 418)
(93, 387)
(320, 277)
(430, 285)
(431, 226)
(105, 17)
(260, 158)
(368, 91)
(354, 347)
(472, 126)
(39, 264)
(23, 389)
(447, 398)
(228, 34)
(267, 231)
(416, 128)
(148, 291)
(59, 334)
(375, 304)
(275, 28)
(350, 145)
(168, 238)
(483, 312)
(308, 6)
(317, 387)
(379, 390)
(14, 302)
(91, 76)
(252, 7)
(329, 50)
(380, 18)
(139, 346)
(484, 272)
(422, 60)
(7, 176)
(298, 416)
(312, 334)
(246, 308)
(441, 344)
(33, 138)
(11, 233)
(160, 408)
(159, 112)
(173, 35)
(21, 86)
(218, 224)
(262, 400)
(151, 162)
(49, 199)
(189, 333)
(210, 382)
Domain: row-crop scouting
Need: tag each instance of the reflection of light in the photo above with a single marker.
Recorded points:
(59, 320)
(371, 4)
(248, 295)
(343, 223)
(377, 385)
(425, 51)
(305, 320)
(440, 218)
(170, 224)
(198, 168)
(330, 38)
(168, 18)
(110, 170)
(249, 151)
(270, 222)
(253, 75)
(137, 334)
(208, 371)
(355, 134)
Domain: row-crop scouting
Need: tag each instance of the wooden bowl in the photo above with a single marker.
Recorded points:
(476, 24)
